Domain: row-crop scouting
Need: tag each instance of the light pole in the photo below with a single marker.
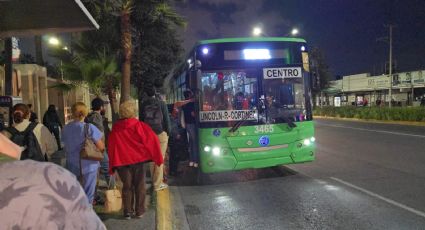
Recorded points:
(54, 41)
(295, 32)
(391, 64)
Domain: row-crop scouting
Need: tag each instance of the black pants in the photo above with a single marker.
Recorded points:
(133, 191)
(55, 131)
(173, 160)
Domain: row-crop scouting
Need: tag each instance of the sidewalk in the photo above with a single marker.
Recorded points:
(115, 221)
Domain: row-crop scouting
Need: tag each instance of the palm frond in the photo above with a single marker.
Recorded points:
(165, 11)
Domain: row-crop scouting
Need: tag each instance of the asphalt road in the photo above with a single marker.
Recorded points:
(366, 176)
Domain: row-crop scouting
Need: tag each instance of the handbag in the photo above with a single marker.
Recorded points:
(113, 198)
(89, 150)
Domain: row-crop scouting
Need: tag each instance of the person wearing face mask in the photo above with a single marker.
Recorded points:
(35, 139)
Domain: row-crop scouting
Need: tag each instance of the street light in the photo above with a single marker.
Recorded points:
(294, 32)
(257, 31)
(54, 41)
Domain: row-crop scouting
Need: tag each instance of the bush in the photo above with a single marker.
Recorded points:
(374, 113)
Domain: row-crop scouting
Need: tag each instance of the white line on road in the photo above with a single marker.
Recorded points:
(377, 131)
(395, 203)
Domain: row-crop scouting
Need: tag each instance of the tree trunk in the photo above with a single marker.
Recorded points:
(114, 105)
(38, 50)
(126, 49)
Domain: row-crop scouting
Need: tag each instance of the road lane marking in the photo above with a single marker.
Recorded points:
(377, 131)
(395, 203)
(163, 210)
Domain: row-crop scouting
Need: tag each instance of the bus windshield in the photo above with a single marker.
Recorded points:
(283, 100)
(231, 90)
(235, 95)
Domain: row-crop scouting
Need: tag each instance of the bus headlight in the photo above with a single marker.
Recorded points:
(313, 139)
(307, 142)
(207, 148)
(216, 151)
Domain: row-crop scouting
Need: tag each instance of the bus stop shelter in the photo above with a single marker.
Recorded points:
(35, 17)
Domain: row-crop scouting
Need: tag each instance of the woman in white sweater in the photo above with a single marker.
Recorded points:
(21, 115)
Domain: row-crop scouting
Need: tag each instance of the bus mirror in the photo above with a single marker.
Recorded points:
(198, 64)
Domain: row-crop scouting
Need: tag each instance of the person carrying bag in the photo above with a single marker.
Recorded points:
(83, 146)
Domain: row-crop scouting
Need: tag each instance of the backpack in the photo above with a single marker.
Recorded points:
(153, 115)
(29, 141)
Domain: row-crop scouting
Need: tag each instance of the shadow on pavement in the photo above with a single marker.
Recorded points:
(192, 177)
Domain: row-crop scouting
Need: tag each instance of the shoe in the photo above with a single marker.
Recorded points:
(140, 216)
(161, 187)
(191, 164)
(127, 216)
(195, 165)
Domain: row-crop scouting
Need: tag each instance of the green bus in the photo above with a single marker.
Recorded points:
(253, 102)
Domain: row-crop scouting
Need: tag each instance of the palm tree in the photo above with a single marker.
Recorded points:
(98, 70)
(126, 8)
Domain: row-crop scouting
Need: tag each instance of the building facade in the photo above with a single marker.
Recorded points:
(30, 82)
(408, 89)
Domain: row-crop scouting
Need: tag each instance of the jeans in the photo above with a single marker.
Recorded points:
(193, 143)
(133, 191)
(157, 172)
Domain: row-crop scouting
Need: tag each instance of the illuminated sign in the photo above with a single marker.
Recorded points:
(228, 115)
(282, 73)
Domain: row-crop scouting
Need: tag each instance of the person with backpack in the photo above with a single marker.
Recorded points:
(154, 112)
(36, 140)
(96, 118)
(52, 122)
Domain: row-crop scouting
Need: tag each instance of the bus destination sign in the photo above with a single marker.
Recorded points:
(282, 73)
(228, 115)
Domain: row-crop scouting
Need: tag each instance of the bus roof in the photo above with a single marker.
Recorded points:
(251, 39)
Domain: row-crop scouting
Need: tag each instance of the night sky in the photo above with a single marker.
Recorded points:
(345, 30)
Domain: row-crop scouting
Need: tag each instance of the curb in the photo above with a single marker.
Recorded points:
(411, 123)
(163, 210)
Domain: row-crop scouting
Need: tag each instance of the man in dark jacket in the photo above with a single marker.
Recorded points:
(52, 122)
(154, 112)
(96, 118)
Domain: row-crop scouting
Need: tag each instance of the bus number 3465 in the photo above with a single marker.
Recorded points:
(263, 128)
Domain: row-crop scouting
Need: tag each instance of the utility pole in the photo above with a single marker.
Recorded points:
(8, 66)
(391, 64)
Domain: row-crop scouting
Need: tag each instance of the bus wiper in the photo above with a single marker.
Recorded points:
(290, 123)
(287, 120)
(238, 124)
